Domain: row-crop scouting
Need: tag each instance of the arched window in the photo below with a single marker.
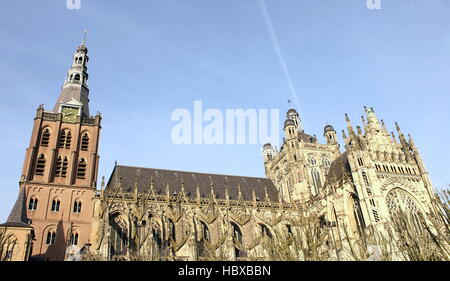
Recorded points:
(265, 232)
(45, 139)
(398, 200)
(357, 220)
(317, 183)
(40, 165)
(65, 139)
(312, 160)
(56, 203)
(205, 232)
(172, 230)
(360, 161)
(61, 167)
(85, 142)
(51, 237)
(288, 229)
(74, 238)
(77, 77)
(81, 174)
(32, 205)
(237, 234)
(77, 206)
(119, 235)
(326, 162)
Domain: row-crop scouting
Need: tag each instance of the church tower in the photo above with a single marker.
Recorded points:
(60, 169)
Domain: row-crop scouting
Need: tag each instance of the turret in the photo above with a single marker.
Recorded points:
(330, 134)
(269, 152)
(292, 114)
(290, 129)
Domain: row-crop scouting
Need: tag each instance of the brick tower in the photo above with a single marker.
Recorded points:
(60, 169)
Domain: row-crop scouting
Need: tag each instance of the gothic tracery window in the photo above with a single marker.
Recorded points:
(317, 183)
(119, 235)
(399, 200)
(326, 162)
(312, 160)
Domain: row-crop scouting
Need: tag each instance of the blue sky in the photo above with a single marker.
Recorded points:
(148, 58)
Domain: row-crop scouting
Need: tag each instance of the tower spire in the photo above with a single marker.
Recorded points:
(75, 90)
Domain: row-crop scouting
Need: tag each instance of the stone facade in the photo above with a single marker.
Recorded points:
(190, 216)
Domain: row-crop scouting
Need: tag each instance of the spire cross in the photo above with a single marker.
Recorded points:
(289, 102)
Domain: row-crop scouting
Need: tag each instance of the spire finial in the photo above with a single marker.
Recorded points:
(84, 37)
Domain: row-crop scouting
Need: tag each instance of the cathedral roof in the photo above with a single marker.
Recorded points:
(130, 175)
(339, 169)
(302, 136)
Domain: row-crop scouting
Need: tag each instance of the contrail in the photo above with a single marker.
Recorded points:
(277, 49)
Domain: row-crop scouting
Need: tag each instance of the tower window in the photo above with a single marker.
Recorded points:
(61, 167)
(360, 161)
(82, 169)
(77, 206)
(56, 203)
(77, 77)
(45, 140)
(74, 239)
(32, 205)
(375, 215)
(65, 139)
(51, 237)
(40, 165)
(85, 142)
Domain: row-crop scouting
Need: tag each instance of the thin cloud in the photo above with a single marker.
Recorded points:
(276, 46)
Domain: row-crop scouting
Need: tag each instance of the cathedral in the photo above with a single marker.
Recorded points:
(60, 212)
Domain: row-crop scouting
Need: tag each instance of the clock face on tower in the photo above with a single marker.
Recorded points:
(69, 114)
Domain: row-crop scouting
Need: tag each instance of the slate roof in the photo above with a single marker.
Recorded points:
(130, 175)
(339, 169)
(18, 212)
(18, 215)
